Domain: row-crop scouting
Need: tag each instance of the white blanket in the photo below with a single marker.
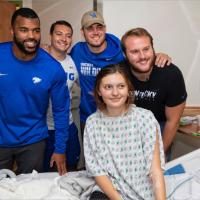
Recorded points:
(183, 186)
(72, 186)
(78, 186)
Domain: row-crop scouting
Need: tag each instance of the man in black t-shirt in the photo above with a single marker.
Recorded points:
(161, 90)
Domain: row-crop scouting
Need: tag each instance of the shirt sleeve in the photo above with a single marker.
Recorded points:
(93, 163)
(176, 87)
(150, 128)
(73, 52)
(60, 106)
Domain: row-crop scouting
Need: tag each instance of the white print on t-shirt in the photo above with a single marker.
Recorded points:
(147, 94)
(88, 69)
(70, 76)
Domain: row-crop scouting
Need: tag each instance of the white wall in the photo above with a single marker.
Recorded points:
(27, 3)
(50, 11)
(174, 25)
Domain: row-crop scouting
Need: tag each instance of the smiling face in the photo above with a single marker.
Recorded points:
(95, 36)
(114, 91)
(140, 53)
(61, 38)
(26, 36)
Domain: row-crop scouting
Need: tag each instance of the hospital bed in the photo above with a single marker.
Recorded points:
(182, 177)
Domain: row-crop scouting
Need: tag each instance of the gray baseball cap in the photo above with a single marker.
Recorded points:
(92, 17)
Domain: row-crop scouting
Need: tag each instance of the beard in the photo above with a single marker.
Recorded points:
(137, 70)
(96, 45)
(22, 47)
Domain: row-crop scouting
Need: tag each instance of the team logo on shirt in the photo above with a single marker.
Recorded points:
(147, 94)
(88, 69)
(70, 76)
(36, 80)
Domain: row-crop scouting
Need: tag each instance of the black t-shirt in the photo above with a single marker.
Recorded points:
(165, 87)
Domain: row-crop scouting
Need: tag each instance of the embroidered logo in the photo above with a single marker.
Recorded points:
(36, 80)
(184, 96)
(93, 14)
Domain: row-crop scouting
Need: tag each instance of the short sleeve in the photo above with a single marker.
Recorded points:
(176, 87)
(92, 160)
(150, 128)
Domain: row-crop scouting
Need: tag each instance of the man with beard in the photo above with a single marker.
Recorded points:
(161, 90)
(98, 50)
(28, 78)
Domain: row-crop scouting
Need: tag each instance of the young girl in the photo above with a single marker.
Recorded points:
(122, 143)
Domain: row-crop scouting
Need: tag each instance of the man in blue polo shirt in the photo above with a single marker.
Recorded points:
(28, 78)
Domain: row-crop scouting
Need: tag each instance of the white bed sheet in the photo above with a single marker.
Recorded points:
(185, 186)
(36, 186)
(43, 186)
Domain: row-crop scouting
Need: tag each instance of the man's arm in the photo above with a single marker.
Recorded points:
(60, 106)
(60, 160)
(107, 187)
(162, 60)
(173, 115)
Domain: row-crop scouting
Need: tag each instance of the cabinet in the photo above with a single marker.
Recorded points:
(184, 142)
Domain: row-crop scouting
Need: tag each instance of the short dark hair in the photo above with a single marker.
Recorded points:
(111, 69)
(138, 32)
(60, 22)
(24, 12)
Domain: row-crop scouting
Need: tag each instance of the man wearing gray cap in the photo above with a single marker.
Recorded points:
(98, 50)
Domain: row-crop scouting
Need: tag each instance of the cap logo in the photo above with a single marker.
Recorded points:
(93, 14)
